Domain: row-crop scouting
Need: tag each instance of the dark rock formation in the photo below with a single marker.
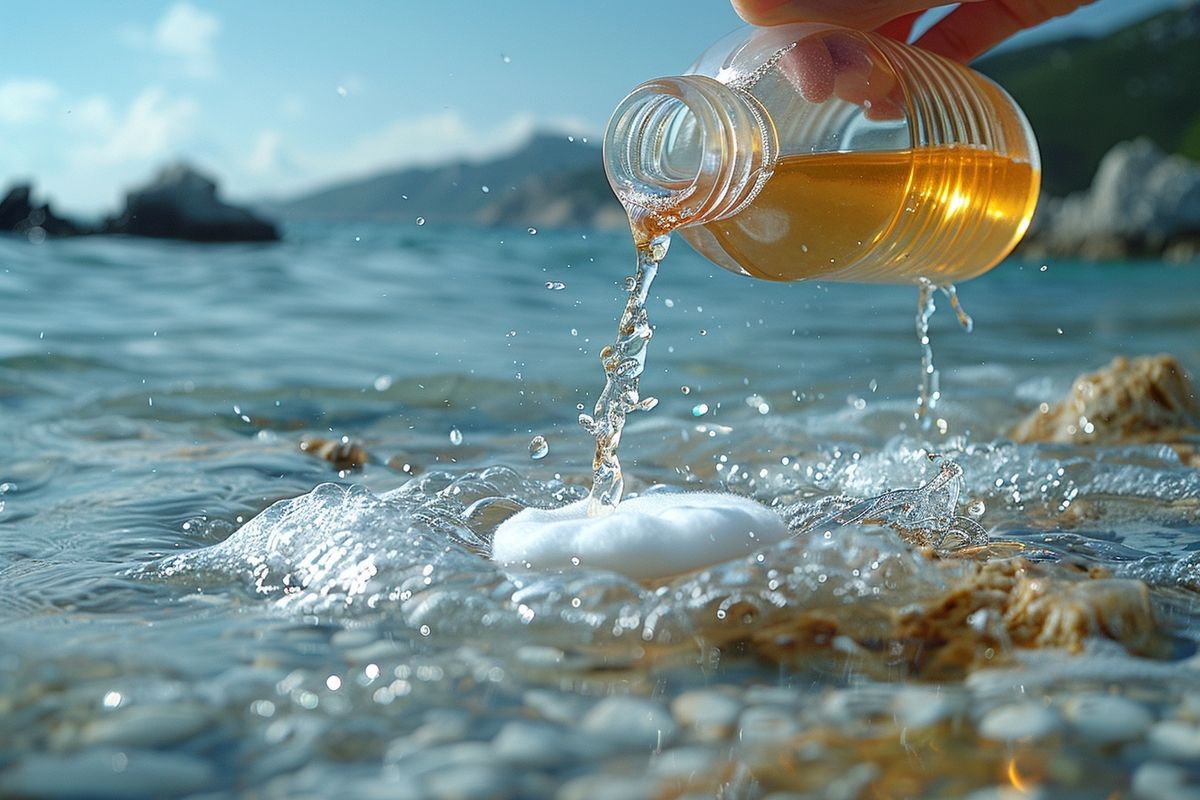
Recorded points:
(18, 214)
(1142, 203)
(181, 203)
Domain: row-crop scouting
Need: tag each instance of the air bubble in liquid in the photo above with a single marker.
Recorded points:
(456, 437)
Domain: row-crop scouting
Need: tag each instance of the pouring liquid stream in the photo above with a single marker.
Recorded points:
(624, 361)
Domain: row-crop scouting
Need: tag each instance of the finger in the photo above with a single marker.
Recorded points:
(809, 68)
(970, 30)
(900, 28)
(864, 15)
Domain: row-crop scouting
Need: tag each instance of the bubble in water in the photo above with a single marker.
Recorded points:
(420, 220)
(538, 447)
(976, 508)
(532, 231)
(685, 389)
(456, 437)
(484, 189)
(555, 286)
(700, 409)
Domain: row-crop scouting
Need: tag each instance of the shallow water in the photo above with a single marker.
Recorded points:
(163, 633)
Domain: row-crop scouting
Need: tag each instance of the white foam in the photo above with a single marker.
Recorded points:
(646, 537)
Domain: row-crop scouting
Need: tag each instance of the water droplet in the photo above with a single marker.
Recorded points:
(484, 189)
(1044, 267)
(383, 383)
(456, 437)
(555, 286)
(505, 58)
(333, 683)
(538, 448)
(425, 630)
(976, 508)
(574, 331)
(669, 303)
(685, 389)
(703, 332)
(420, 220)
(700, 409)
(341, 90)
(532, 231)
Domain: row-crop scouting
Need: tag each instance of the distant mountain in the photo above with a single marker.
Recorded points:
(551, 180)
(1083, 96)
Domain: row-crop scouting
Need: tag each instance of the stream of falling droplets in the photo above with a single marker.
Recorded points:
(929, 391)
(623, 360)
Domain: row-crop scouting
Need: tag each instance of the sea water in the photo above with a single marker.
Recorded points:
(191, 603)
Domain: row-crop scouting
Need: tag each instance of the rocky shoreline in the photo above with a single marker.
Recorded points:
(178, 203)
(1142, 203)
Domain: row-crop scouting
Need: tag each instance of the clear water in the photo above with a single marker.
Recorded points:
(154, 396)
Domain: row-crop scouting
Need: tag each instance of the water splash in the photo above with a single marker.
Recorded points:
(929, 390)
(624, 361)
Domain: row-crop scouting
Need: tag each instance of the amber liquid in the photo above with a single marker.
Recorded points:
(942, 213)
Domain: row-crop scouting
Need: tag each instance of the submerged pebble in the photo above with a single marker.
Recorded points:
(631, 722)
(106, 773)
(1106, 719)
(1020, 721)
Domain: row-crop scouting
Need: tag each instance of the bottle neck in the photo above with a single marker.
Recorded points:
(687, 150)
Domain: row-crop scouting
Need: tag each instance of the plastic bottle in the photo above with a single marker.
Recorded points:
(812, 151)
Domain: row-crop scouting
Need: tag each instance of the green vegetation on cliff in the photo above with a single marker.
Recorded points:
(1085, 95)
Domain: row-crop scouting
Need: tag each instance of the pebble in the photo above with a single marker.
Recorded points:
(711, 714)
(631, 722)
(565, 709)
(541, 745)
(147, 726)
(1020, 721)
(104, 773)
(920, 707)
(1107, 719)
(686, 762)
(472, 782)
(607, 787)
(759, 725)
(1157, 781)
(1176, 740)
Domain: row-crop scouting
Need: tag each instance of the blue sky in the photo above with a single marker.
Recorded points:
(275, 97)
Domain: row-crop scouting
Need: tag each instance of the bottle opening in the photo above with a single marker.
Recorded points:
(687, 149)
(667, 148)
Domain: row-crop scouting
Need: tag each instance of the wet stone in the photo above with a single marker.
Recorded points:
(1020, 721)
(631, 722)
(607, 787)
(686, 762)
(1175, 740)
(538, 744)
(921, 707)
(556, 706)
(767, 725)
(472, 782)
(147, 726)
(1106, 719)
(710, 714)
(105, 773)
(1155, 780)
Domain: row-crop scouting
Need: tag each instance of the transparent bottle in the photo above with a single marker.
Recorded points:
(812, 151)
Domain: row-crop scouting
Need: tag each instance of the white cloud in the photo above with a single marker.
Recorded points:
(436, 138)
(25, 100)
(152, 128)
(264, 157)
(184, 33)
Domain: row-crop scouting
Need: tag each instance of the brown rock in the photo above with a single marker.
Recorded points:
(986, 610)
(344, 455)
(1146, 399)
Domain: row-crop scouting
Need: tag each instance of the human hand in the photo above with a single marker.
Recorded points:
(966, 32)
